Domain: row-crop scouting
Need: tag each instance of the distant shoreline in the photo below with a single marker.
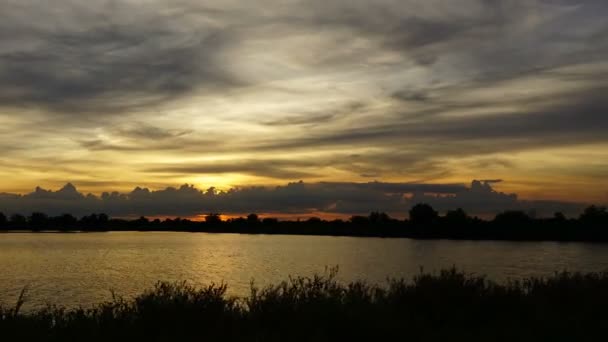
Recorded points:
(411, 237)
(424, 223)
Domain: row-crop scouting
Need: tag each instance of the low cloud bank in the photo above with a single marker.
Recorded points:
(297, 198)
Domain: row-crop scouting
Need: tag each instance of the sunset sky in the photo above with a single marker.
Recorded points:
(363, 101)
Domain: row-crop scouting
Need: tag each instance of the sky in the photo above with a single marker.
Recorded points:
(302, 107)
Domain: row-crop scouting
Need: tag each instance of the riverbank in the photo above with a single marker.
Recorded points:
(573, 235)
(449, 305)
(424, 223)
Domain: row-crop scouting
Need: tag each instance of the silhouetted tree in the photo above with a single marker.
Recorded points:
(240, 222)
(65, 220)
(559, 216)
(103, 219)
(141, 221)
(456, 217)
(270, 221)
(213, 219)
(359, 220)
(425, 222)
(514, 218)
(253, 219)
(18, 220)
(423, 214)
(38, 219)
(594, 215)
(89, 220)
(314, 220)
(167, 221)
(378, 217)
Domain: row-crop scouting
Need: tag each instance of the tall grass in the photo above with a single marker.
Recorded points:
(447, 306)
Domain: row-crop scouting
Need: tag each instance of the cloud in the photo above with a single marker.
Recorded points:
(579, 118)
(297, 198)
(426, 90)
(106, 56)
(280, 169)
(410, 95)
(115, 56)
(301, 120)
(143, 131)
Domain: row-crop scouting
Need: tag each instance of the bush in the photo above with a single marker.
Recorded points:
(450, 305)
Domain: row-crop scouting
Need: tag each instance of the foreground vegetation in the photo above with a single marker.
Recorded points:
(423, 222)
(449, 306)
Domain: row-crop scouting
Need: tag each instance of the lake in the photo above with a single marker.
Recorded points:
(80, 269)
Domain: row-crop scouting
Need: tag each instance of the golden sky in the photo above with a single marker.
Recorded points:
(110, 95)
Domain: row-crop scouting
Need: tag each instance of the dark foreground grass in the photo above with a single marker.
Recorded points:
(449, 306)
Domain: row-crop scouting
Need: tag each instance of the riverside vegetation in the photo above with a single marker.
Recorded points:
(446, 306)
(423, 222)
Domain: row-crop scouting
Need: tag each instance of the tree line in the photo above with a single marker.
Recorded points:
(423, 222)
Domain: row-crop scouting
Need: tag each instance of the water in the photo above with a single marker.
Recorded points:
(81, 269)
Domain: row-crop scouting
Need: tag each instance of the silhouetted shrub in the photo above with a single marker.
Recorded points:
(450, 305)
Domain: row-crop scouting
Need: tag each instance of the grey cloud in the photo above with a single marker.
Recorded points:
(115, 56)
(300, 120)
(105, 57)
(491, 36)
(77, 60)
(100, 145)
(316, 118)
(298, 198)
(483, 200)
(280, 169)
(155, 140)
(581, 118)
(409, 95)
(369, 165)
(397, 162)
(103, 145)
(139, 130)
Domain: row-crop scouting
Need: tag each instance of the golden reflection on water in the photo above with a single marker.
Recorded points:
(81, 269)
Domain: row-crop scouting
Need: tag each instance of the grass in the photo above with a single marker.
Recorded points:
(447, 306)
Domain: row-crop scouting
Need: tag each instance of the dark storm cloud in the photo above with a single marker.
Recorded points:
(297, 198)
